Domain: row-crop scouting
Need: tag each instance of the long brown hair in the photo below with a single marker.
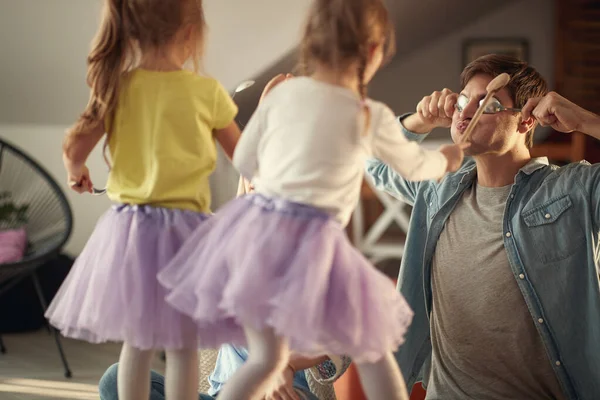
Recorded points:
(339, 33)
(525, 82)
(127, 29)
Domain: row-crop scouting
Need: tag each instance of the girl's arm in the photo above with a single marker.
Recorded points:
(225, 129)
(245, 158)
(408, 159)
(228, 138)
(77, 147)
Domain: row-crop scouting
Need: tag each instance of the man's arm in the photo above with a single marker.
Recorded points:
(331, 369)
(562, 115)
(590, 125)
(285, 388)
(589, 176)
(566, 116)
(433, 111)
(298, 363)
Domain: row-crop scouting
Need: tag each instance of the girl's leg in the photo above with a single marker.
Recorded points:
(182, 374)
(382, 379)
(268, 355)
(133, 375)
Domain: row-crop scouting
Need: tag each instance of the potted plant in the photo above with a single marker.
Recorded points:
(13, 237)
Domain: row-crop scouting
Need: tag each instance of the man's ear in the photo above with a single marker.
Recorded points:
(525, 125)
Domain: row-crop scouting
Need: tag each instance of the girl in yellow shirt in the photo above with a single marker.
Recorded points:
(161, 123)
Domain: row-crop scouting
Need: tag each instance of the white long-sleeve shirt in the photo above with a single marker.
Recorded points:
(305, 142)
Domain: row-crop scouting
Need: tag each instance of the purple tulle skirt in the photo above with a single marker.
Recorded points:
(263, 262)
(112, 292)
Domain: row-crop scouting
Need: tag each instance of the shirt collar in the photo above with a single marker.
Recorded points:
(534, 164)
(469, 171)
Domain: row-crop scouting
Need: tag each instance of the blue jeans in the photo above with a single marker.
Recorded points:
(108, 387)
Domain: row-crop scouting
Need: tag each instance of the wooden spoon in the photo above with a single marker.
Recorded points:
(492, 88)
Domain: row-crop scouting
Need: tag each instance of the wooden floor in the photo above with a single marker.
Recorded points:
(31, 368)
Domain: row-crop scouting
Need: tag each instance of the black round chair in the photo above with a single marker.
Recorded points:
(48, 222)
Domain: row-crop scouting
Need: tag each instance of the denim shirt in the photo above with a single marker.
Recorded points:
(230, 359)
(551, 236)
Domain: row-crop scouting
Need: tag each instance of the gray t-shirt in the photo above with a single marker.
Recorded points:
(485, 343)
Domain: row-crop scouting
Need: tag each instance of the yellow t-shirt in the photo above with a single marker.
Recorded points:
(161, 138)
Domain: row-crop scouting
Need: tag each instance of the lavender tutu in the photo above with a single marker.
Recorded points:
(267, 262)
(112, 292)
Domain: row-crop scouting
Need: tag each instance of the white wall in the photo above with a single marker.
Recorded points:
(403, 83)
(44, 44)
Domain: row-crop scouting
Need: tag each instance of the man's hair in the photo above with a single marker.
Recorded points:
(525, 82)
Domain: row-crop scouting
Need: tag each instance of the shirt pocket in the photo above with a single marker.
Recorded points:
(554, 228)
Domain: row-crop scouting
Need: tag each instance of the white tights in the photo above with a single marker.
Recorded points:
(133, 376)
(382, 379)
(269, 354)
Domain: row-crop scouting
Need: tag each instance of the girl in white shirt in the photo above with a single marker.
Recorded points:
(244, 274)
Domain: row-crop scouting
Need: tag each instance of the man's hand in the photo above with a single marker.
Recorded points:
(274, 82)
(561, 114)
(433, 111)
(284, 388)
(555, 111)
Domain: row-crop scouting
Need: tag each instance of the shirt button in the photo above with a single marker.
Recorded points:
(557, 363)
(522, 276)
(547, 216)
(431, 204)
(512, 196)
(508, 234)
(541, 321)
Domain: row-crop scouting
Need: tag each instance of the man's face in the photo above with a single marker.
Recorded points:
(495, 133)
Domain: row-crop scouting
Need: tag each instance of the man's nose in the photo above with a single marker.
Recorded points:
(469, 109)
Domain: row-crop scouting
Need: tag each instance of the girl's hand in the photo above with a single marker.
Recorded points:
(454, 154)
(244, 187)
(81, 182)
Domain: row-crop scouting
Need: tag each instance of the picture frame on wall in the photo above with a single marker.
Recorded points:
(477, 47)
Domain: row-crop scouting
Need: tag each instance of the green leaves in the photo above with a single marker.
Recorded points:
(12, 214)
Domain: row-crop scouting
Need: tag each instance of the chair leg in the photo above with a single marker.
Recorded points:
(38, 289)
(2, 348)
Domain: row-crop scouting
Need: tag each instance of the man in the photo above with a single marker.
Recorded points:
(293, 385)
(501, 258)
